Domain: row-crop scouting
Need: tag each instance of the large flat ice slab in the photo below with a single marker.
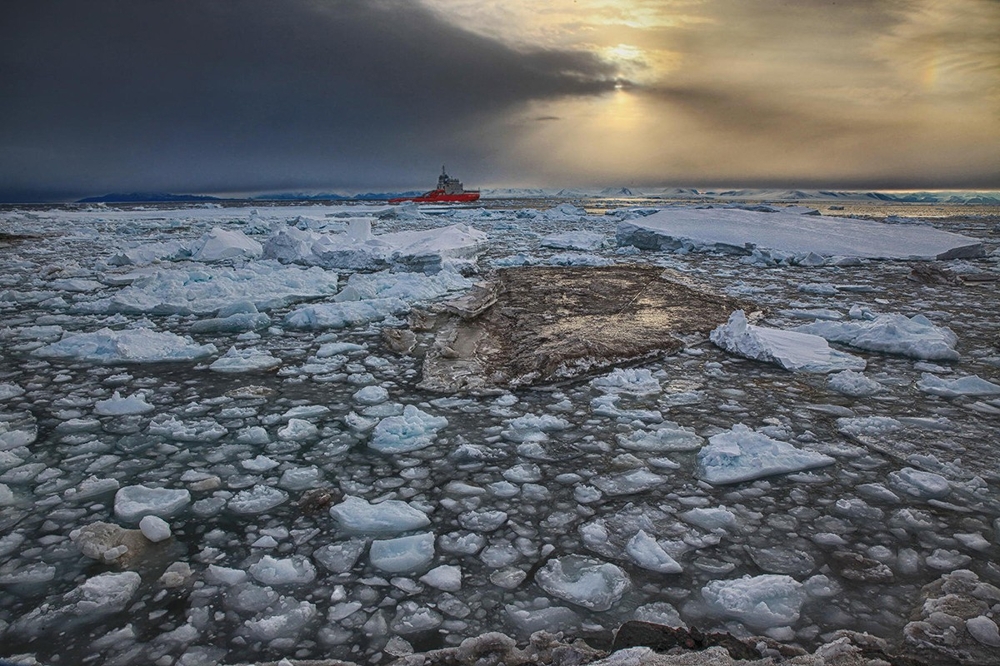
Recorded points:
(739, 231)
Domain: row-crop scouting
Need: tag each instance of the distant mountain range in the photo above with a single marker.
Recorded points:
(146, 197)
(952, 197)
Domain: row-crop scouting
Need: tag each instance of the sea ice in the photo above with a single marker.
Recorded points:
(139, 345)
(284, 621)
(244, 360)
(663, 437)
(426, 250)
(340, 315)
(8, 391)
(739, 231)
(953, 388)
(407, 554)
(584, 581)
(446, 577)
(531, 427)
(208, 290)
(295, 570)
(633, 381)
(711, 519)
(541, 615)
(409, 287)
(132, 503)
(412, 431)
(740, 454)
(116, 405)
(155, 529)
(918, 484)
(854, 384)
(257, 500)
(916, 336)
(648, 554)
(225, 244)
(371, 395)
(790, 349)
(340, 557)
(760, 602)
(627, 483)
(389, 517)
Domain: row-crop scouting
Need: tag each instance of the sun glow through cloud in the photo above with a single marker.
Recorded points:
(770, 91)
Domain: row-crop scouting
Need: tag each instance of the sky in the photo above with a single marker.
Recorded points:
(216, 96)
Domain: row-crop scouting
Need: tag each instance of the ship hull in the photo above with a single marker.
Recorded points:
(439, 197)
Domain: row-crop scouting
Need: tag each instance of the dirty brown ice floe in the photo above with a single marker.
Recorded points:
(538, 325)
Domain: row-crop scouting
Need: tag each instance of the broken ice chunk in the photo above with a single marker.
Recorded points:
(412, 431)
(792, 350)
(155, 529)
(666, 436)
(340, 557)
(388, 517)
(132, 503)
(916, 337)
(404, 554)
(740, 454)
(854, 384)
(584, 581)
(139, 345)
(760, 602)
(295, 570)
(648, 554)
(628, 483)
(632, 381)
(952, 388)
(244, 360)
(257, 500)
(922, 485)
(116, 405)
(710, 519)
(446, 577)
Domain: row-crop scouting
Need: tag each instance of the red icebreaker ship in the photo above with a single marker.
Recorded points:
(448, 190)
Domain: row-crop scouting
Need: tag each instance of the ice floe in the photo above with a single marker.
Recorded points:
(126, 346)
(914, 336)
(791, 350)
(584, 581)
(760, 602)
(407, 554)
(354, 514)
(799, 236)
(413, 430)
(953, 388)
(742, 454)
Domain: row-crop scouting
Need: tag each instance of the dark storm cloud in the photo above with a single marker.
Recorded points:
(257, 94)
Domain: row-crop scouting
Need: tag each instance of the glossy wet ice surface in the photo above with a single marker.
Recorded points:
(527, 493)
